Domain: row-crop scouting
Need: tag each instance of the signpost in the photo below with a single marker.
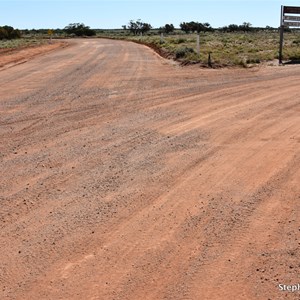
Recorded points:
(162, 38)
(198, 44)
(50, 33)
(288, 19)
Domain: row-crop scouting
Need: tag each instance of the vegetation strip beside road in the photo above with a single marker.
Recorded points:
(225, 48)
(24, 51)
(232, 45)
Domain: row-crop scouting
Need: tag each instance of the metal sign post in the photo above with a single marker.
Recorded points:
(281, 36)
(288, 19)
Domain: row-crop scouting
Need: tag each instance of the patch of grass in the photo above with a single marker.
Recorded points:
(21, 43)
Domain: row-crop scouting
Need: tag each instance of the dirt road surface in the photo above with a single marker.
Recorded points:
(126, 176)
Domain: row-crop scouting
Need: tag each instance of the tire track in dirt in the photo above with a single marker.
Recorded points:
(128, 177)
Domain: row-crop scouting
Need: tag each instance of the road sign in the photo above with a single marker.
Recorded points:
(291, 24)
(287, 19)
(291, 9)
(291, 18)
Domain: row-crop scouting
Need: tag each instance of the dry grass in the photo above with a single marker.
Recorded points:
(21, 43)
(226, 49)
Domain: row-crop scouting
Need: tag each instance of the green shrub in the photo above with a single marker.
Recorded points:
(253, 61)
(182, 52)
(9, 33)
(181, 40)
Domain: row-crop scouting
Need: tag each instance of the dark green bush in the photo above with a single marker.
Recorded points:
(79, 29)
(182, 52)
(9, 33)
(253, 61)
(181, 40)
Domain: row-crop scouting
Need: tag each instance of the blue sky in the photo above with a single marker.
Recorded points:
(115, 13)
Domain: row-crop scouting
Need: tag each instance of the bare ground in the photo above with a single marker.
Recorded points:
(124, 176)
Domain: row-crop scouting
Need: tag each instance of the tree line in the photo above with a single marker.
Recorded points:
(245, 27)
(139, 27)
(135, 27)
(73, 29)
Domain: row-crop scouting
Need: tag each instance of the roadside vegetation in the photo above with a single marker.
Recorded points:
(232, 45)
(11, 38)
(224, 48)
(21, 43)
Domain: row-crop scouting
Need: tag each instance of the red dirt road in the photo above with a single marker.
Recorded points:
(124, 176)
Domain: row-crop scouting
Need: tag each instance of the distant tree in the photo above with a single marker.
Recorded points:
(145, 27)
(269, 28)
(138, 27)
(233, 28)
(207, 27)
(246, 26)
(199, 27)
(79, 29)
(124, 27)
(3, 33)
(194, 26)
(8, 32)
(188, 27)
(169, 28)
(133, 27)
(58, 31)
(184, 26)
(223, 29)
